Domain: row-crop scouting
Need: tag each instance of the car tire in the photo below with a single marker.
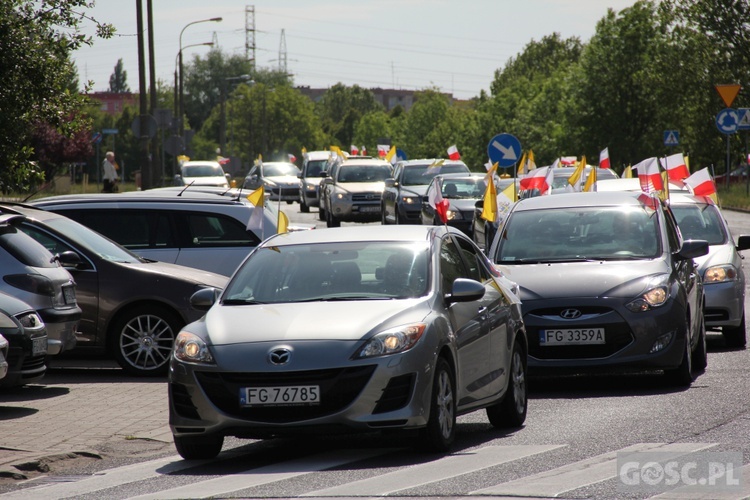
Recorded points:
(700, 355)
(396, 217)
(440, 431)
(682, 376)
(735, 337)
(142, 339)
(383, 220)
(303, 207)
(199, 447)
(511, 411)
(321, 213)
(331, 220)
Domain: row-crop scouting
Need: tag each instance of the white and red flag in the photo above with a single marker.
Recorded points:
(292, 158)
(453, 153)
(540, 178)
(604, 158)
(649, 175)
(364, 150)
(353, 150)
(383, 150)
(436, 201)
(701, 183)
(676, 167)
(567, 161)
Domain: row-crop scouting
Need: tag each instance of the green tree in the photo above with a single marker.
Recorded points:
(341, 108)
(118, 81)
(370, 128)
(36, 41)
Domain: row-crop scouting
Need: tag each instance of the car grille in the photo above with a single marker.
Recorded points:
(338, 389)
(182, 403)
(396, 394)
(618, 335)
(371, 197)
(285, 191)
(30, 367)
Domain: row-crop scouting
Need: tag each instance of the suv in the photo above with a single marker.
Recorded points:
(313, 165)
(280, 180)
(34, 275)
(405, 191)
(353, 191)
(194, 229)
(202, 173)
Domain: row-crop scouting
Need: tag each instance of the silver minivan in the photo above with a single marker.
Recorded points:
(32, 274)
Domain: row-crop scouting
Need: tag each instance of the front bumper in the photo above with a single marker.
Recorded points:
(725, 304)
(356, 211)
(62, 326)
(309, 194)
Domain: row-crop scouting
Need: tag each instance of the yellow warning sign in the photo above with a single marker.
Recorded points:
(728, 92)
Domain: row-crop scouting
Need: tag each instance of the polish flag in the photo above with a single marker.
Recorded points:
(383, 150)
(353, 150)
(676, 167)
(701, 183)
(436, 201)
(568, 160)
(453, 153)
(292, 158)
(364, 150)
(604, 158)
(540, 178)
(649, 176)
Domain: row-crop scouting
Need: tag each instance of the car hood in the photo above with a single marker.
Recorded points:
(584, 279)
(175, 271)
(236, 324)
(218, 180)
(283, 180)
(716, 256)
(362, 187)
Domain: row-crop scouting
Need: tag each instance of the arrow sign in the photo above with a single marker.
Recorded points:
(504, 149)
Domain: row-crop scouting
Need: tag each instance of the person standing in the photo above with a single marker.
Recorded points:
(109, 175)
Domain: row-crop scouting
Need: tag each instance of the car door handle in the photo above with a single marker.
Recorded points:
(482, 311)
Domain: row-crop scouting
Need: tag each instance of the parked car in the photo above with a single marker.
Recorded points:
(279, 179)
(23, 359)
(202, 173)
(405, 190)
(34, 275)
(462, 191)
(353, 191)
(132, 307)
(424, 330)
(189, 228)
(313, 165)
(723, 277)
(607, 284)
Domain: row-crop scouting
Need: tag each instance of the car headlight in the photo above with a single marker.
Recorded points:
(191, 348)
(655, 297)
(454, 215)
(410, 200)
(717, 274)
(393, 341)
(311, 187)
(341, 195)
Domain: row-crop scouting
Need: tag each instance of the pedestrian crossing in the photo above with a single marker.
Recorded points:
(552, 483)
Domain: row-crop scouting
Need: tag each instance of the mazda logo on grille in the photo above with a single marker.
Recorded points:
(570, 314)
(279, 356)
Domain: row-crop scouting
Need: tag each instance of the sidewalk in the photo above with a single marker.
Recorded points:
(76, 408)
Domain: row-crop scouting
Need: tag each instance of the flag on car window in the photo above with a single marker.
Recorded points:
(649, 176)
(701, 183)
(436, 201)
(540, 178)
(453, 153)
(255, 223)
(353, 150)
(489, 204)
(391, 157)
(676, 167)
(575, 180)
(282, 225)
(604, 158)
(628, 172)
(590, 184)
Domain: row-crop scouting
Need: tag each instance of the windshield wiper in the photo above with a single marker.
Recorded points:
(243, 302)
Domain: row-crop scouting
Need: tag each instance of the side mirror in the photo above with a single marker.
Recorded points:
(68, 258)
(324, 173)
(390, 182)
(465, 290)
(692, 249)
(743, 242)
(203, 299)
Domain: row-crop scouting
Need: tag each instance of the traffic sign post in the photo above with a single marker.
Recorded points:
(727, 121)
(504, 149)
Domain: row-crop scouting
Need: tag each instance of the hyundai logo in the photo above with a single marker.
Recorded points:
(570, 314)
(280, 356)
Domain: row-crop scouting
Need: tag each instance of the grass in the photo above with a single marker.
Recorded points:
(736, 196)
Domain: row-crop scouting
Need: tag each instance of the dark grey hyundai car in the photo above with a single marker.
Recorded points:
(132, 308)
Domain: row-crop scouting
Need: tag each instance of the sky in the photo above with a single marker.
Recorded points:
(453, 45)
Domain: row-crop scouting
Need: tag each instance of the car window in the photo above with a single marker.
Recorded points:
(24, 248)
(700, 222)
(202, 171)
(279, 169)
(130, 228)
(314, 168)
(217, 230)
(421, 175)
(463, 188)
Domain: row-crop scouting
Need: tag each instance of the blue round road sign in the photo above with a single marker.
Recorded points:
(504, 149)
(727, 121)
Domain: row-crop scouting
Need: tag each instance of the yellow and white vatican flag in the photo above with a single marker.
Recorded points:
(282, 225)
(489, 207)
(575, 181)
(255, 223)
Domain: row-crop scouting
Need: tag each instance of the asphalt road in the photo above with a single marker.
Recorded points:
(574, 444)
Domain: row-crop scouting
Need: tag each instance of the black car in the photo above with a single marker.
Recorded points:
(132, 308)
(606, 284)
(26, 337)
(462, 192)
(405, 190)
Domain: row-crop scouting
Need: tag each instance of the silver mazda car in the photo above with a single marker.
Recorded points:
(359, 328)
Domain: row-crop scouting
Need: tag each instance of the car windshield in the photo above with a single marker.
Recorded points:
(363, 173)
(331, 271)
(202, 171)
(279, 169)
(579, 234)
(421, 175)
(463, 188)
(700, 222)
(560, 181)
(80, 235)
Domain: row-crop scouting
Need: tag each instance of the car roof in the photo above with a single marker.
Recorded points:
(462, 175)
(317, 155)
(429, 161)
(152, 195)
(632, 184)
(595, 199)
(686, 198)
(361, 233)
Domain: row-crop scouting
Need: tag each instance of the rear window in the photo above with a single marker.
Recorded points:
(24, 248)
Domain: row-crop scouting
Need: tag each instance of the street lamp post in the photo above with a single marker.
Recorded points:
(182, 102)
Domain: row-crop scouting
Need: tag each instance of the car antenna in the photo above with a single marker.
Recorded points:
(180, 193)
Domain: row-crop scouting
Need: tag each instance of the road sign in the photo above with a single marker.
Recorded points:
(504, 149)
(744, 122)
(728, 92)
(109, 131)
(671, 137)
(96, 137)
(727, 120)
